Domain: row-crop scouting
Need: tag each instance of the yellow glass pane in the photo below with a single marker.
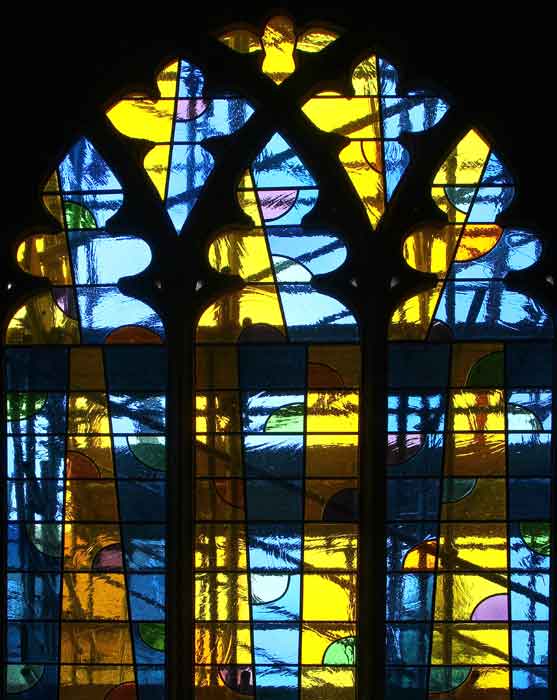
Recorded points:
(486, 681)
(241, 40)
(329, 597)
(332, 412)
(317, 638)
(91, 500)
(221, 597)
(471, 643)
(223, 643)
(94, 597)
(431, 249)
(148, 119)
(278, 43)
(364, 77)
(95, 643)
(53, 202)
(243, 253)
(353, 117)
(315, 40)
(156, 166)
(331, 546)
(477, 240)
(40, 321)
(167, 80)
(46, 256)
(220, 546)
(93, 682)
(486, 502)
(366, 179)
(422, 557)
(88, 413)
(477, 410)
(331, 455)
(82, 543)
(225, 319)
(465, 163)
(458, 595)
(475, 454)
(469, 546)
(412, 319)
(247, 199)
(327, 682)
(52, 184)
(142, 118)
(439, 196)
(87, 369)
(219, 499)
(217, 411)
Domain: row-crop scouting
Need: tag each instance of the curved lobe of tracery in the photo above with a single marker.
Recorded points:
(177, 124)
(373, 119)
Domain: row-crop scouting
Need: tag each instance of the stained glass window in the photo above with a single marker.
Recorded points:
(277, 392)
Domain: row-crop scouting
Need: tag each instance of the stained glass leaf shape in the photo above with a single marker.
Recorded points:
(84, 262)
(177, 124)
(471, 255)
(278, 42)
(374, 119)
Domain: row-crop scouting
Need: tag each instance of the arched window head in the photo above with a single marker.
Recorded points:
(278, 392)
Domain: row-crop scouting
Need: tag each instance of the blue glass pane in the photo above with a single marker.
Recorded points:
(415, 113)
(189, 170)
(32, 642)
(530, 597)
(33, 596)
(416, 412)
(137, 413)
(318, 251)
(396, 160)
(409, 597)
(278, 166)
(310, 315)
(101, 207)
(37, 456)
(83, 169)
(35, 499)
(104, 309)
(147, 596)
(100, 258)
(530, 644)
(278, 609)
(487, 310)
(276, 547)
(220, 117)
(515, 250)
(408, 644)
